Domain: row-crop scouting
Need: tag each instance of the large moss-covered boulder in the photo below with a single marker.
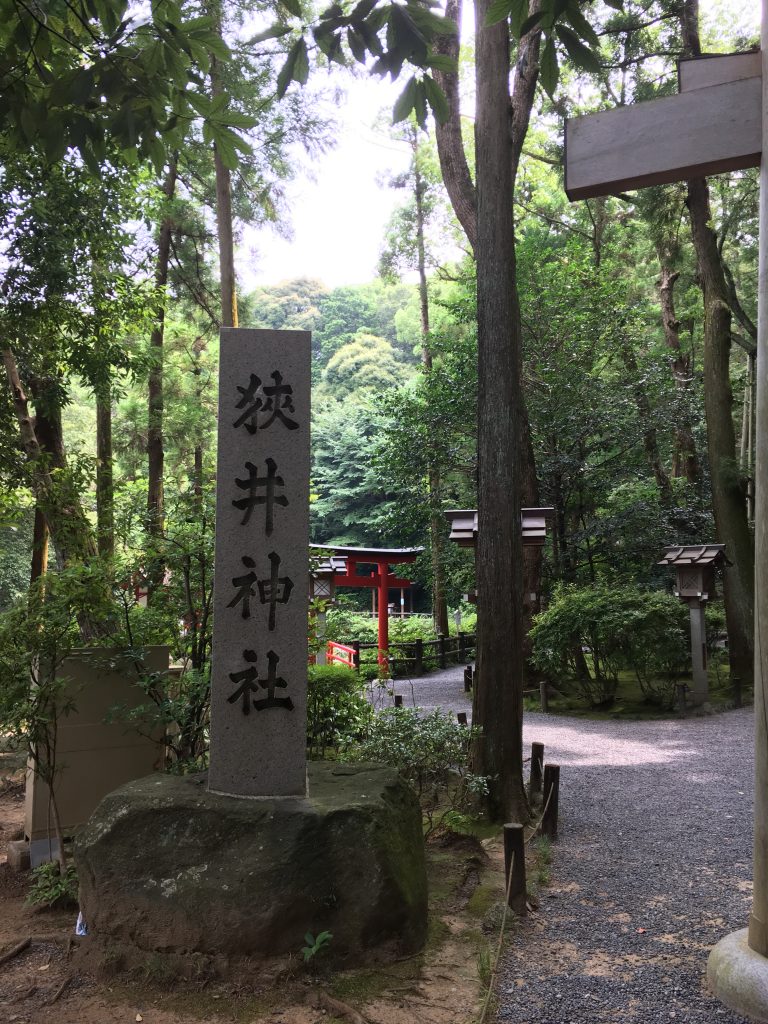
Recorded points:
(165, 865)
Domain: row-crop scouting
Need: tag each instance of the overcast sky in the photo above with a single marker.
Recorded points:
(338, 206)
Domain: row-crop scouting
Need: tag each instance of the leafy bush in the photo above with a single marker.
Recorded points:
(53, 886)
(431, 752)
(337, 707)
(590, 634)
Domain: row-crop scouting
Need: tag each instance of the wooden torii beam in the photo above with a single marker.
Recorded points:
(718, 122)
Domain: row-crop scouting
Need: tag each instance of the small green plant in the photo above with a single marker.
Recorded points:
(314, 944)
(52, 887)
(432, 753)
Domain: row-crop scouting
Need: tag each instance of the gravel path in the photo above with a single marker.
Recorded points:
(652, 867)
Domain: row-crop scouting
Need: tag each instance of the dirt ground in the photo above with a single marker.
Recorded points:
(443, 985)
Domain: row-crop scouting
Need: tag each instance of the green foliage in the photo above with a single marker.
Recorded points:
(337, 707)
(315, 944)
(79, 74)
(53, 886)
(431, 752)
(589, 635)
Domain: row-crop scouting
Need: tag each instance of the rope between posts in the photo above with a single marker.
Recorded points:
(495, 968)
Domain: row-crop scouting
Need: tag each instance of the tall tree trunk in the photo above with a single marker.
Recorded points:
(197, 471)
(224, 206)
(56, 496)
(685, 462)
(729, 487)
(465, 200)
(436, 521)
(105, 488)
(155, 450)
(498, 700)
(645, 416)
(450, 145)
(729, 491)
(40, 536)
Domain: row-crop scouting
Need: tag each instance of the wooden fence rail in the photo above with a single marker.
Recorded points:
(411, 657)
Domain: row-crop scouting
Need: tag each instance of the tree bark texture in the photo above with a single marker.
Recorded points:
(645, 416)
(105, 489)
(224, 207)
(43, 446)
(40, 537)
(155, 451)
(498, 700)
(436, 521)
(685, 462)
(729, 487)
(450, 145)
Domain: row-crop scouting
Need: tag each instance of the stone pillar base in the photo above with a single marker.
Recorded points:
(738, 976)
(165, 865)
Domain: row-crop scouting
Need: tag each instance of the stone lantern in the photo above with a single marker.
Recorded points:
(322, 587)
(695, 566)
(533, 526)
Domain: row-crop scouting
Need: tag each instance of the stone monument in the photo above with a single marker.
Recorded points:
(244, 862)
(259, 674)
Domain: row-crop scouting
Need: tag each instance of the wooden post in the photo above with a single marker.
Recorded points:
(441, 651)
(551, 800)
(544, 697)
(468, 679)
(384, 619)
(418, 657)
(356, 655)
(398, 700)
(462, 647)
(461, 717)
(514, 862)
(537, 765)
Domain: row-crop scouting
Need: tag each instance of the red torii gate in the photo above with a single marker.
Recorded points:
(381, 580)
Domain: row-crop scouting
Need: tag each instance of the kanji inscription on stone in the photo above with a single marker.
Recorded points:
(259, 664)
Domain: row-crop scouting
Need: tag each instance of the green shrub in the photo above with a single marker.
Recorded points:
(52, 887)
(589, 635)
(337, 707)
(431, 752)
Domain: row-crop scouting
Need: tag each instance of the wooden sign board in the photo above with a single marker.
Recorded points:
(701, 72)
(701, 131)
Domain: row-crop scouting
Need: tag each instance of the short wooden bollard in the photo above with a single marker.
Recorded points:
(442, 651)
(461, 717)
(551, 800)
(544, 697)
(537, 763)
(398, 700)
(462, 647)
(468, 679)
(418, 657)
(514, 861)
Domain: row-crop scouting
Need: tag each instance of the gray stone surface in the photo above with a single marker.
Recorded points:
(166, 865)
(739, 976)
(258, 727)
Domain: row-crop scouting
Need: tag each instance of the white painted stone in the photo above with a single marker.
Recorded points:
(259, 664)
(738, 976)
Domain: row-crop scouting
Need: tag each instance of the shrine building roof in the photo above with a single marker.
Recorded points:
(694, 554)
(533, 522)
